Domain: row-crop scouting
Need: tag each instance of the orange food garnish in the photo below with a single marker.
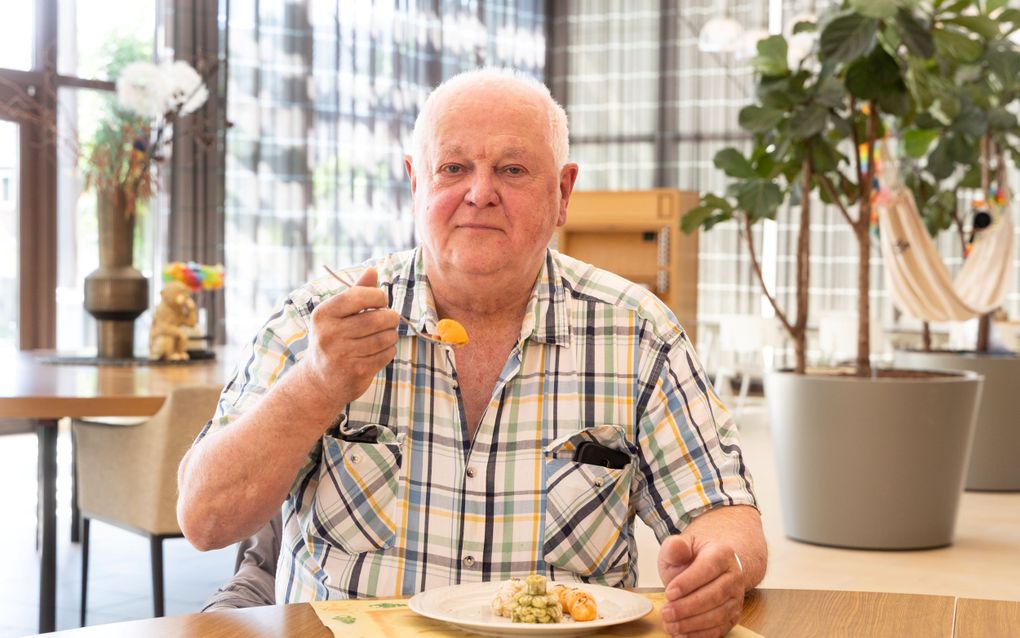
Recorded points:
(582, 607)
(561, 592)
(450, 331)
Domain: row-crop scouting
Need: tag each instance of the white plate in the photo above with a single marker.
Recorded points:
(469, 607)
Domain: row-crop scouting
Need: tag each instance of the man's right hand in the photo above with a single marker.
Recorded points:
(353, 336)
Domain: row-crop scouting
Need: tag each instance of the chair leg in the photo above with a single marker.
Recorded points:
(156, 553)
(75, 512)
(84, 567)
(745, 386)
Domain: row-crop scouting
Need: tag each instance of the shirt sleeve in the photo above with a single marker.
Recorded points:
(689, 453)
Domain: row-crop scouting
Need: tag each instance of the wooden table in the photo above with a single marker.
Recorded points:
(47, 392)
(773, 613)
(983, 618)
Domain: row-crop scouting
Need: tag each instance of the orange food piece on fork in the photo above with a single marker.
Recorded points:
(451, 332)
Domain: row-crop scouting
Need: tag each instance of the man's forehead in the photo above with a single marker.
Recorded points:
(509, 148)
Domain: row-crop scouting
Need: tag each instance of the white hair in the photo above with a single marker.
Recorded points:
(493, 77)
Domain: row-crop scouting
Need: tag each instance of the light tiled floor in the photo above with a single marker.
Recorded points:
(982, 563)
(119, 576)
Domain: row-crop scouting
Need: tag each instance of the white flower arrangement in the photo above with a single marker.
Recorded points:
(170, 90)
(151, 98)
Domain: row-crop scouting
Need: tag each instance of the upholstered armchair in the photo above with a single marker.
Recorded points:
(127, 474)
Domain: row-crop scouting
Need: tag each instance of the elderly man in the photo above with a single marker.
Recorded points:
(404, 465)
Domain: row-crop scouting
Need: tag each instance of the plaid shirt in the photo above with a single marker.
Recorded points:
(598, 359)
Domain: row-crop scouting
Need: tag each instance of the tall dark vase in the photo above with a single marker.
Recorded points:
(115, 293)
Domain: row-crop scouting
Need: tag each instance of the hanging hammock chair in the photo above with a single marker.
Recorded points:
(919, 281)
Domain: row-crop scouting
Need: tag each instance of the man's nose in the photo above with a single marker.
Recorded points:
(482, 192)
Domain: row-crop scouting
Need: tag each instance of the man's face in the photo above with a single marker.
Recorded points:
(488, 193)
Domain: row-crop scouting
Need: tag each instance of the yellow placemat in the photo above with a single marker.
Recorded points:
(393, 619)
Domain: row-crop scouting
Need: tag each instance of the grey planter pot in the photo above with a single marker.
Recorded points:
(871, 463)
(995, 454)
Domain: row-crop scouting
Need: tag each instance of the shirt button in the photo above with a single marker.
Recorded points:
(469, 561)
(355, 459)
(470, 472)
(455, 385)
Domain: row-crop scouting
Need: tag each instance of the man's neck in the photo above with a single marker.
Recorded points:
(492, 298)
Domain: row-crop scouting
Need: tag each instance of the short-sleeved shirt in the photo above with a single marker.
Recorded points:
(417, 504)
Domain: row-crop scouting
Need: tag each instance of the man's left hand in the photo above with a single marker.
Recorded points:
(704, 587)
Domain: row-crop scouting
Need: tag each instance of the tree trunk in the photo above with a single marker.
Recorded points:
(984, 332)
(863, 289)
(803, 268)
(861, 230)
(985, 321)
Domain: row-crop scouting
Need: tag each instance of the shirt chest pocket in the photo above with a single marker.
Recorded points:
(587, 506)
(356, 497)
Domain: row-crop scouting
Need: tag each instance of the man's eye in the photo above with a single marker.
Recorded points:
(515, 170)
(451, 169)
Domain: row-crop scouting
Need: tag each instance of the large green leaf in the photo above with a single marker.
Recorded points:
(771, 58)
(759, 197)
(1011, 16)
(896, 102)
(961, 150)
(1000, 119)
(971, 121)
(874, 8)
(946, 108)
(830, 92)
(841, 128)
(1004, 63)
(927, 120)
(716, 219)
(720, 203)
(918, 82)
(712, 210)
(981, 25)
(915, 34)
(957, 45)
(804, 26)
(758, 119)
(879, 78)
(808, 120)
(868, 78)
(917, 141)
(778, 100)
(955, 7)
(940, 165)
(847, 37)
(731, 162)
(824, 157)
(694, 218)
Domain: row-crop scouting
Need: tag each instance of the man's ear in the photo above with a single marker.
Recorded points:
(409, 168)
(568, 176)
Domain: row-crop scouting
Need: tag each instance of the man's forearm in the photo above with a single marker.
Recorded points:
(738, 526)
(234, 480)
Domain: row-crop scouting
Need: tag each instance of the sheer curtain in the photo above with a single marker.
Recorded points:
(322, 96)
(648, 109)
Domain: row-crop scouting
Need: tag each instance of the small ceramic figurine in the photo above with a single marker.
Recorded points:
(168, 337)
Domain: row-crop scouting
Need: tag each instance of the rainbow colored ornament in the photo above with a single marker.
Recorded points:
(194, 275)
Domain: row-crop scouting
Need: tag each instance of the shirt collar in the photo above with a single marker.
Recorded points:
(545, 320)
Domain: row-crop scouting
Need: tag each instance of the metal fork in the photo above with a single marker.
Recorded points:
(407, 322)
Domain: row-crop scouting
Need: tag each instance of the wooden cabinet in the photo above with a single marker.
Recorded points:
(636, 234)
